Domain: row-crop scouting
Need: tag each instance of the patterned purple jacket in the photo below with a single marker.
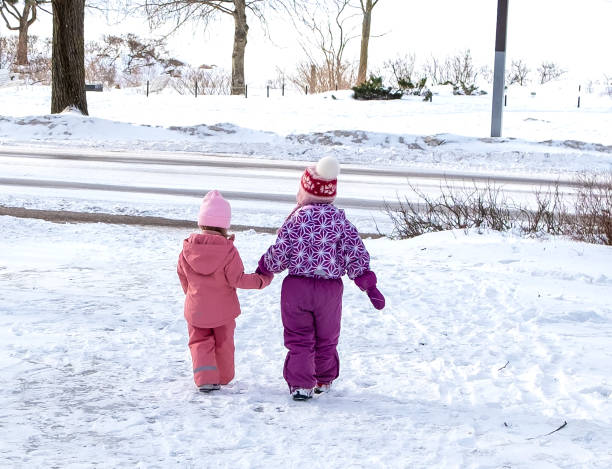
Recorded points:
(318, 241)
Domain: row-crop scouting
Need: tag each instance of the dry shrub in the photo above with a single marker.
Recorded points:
(587, 216)
(593, 220)
(326, 75)
(212, 81)
(455, 208)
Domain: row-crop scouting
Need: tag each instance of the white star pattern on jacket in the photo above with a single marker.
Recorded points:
(318, 241)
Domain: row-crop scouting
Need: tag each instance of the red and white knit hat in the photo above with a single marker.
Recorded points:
(318, 184)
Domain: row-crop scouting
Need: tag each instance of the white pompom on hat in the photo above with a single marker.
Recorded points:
(319, 183)
(328, 168)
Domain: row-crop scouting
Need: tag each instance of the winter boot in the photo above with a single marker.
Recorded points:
(321, 388)
(301, 394)
(209, 387)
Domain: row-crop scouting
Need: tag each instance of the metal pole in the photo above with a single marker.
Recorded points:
(267, 91)
(283, 89)
(196, 88)
(147, 88)
(246, 91)
(500, 65)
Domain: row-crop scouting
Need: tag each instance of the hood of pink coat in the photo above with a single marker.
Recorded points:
(206, 253)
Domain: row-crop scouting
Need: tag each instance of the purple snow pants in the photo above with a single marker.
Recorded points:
(311, 310)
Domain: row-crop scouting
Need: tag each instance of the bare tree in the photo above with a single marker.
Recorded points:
(68, 60)
(518, 73)
(366, 8)
(549, 71)
(182, 11)
(19, 16)
(328, 33)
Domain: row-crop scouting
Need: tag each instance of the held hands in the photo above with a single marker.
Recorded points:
(262, 270)
(367, 282)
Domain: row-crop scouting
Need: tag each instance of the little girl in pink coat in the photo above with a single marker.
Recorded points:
(210, 271)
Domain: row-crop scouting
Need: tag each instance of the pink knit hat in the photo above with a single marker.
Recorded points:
(215, 211)
(318, 184)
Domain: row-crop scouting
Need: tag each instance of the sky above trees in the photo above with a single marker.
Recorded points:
(574, 34)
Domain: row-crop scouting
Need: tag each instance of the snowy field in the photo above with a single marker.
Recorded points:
(488, 343)
(543, 133)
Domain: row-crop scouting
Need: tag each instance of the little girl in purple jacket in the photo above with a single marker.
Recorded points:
(318, 245)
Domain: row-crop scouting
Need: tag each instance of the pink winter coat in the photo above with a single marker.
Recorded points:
(210, 270)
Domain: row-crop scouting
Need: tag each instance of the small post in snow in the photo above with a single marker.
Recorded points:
(147, 88)
(283, 89)
(306, 90)
(579, 88)
(246, 91)
(196, 88)
(268, 91)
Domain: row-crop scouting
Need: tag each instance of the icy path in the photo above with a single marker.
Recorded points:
(96, 372)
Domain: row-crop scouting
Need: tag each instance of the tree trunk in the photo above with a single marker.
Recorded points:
(68, 60)
(240, 41)
(22, 44)
(365, 41)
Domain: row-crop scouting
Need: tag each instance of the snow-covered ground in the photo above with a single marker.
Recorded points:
(488, 343)
(543, 133)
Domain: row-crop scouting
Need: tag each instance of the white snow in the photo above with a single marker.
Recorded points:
(543, 133)
(487, 343)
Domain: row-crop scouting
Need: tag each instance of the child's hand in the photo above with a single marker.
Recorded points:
(262, 269)
(265, 279)
(367, 282)
(376, 297)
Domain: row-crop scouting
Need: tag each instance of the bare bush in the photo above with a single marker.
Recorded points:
(550, 215)
(210, 80)
(128, 60)
(400, 68)
(549, 71)
(593, 220)
(101, 64)
(608, 85)
(586, 217)
(458, 71)
(8, 51)
(455, 208)
(436, 70)
(38, 68)
(324, 76)
(463, 73)
(518, 73)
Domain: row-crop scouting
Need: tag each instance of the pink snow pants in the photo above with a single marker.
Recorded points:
(212, 353)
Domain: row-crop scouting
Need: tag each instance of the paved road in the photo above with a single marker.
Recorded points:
(240, 162)
(85, 175)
